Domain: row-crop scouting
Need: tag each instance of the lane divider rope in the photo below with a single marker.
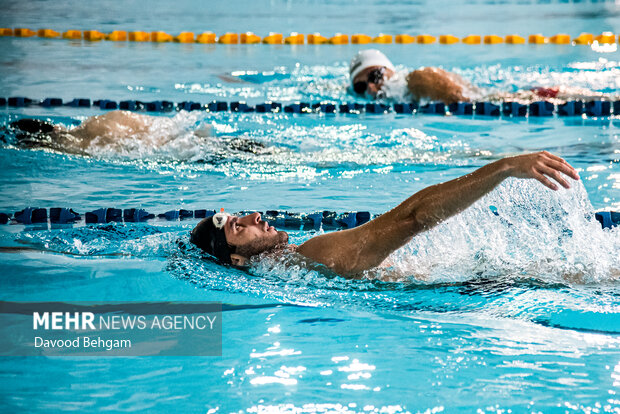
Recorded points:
(280, 219)
(595, 108)
(294, 38)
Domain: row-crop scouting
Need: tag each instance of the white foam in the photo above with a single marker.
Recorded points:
(550, 236)
(395, 89)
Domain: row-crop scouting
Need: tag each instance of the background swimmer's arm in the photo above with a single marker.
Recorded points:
(113, 122)
(437, 85)
(109, 127)
(362, 248)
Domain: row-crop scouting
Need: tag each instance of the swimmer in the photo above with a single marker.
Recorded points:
(370, 70)
(108, 130)
(235, 240)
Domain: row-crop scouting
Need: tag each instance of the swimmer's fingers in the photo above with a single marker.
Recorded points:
(563, 167)
(544, 180)
(555, 174)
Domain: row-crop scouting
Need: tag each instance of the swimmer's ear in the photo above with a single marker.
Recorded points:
(238, 260)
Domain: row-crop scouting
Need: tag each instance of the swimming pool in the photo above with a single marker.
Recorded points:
(511, 312)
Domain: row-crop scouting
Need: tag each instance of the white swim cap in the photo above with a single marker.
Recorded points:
(367, 58)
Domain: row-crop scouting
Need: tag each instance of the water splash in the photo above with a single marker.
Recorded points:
(142, 241)
(550, 236)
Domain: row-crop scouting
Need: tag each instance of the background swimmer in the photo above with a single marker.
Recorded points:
(372, 74)
(110, 130)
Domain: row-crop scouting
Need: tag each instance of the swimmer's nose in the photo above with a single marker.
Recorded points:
(372, 89)
(250, 219)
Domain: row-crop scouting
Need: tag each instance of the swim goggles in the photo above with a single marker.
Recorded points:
(375, 76)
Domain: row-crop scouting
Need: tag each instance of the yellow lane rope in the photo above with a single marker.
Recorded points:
(295, 38)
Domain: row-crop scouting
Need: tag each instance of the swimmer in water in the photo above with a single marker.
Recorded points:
(370, 73)
(235, 240)
(109, 130)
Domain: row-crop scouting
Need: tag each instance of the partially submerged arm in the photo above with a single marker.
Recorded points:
(437, 85)
(355, 250)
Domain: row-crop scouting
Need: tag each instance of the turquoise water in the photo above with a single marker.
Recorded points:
(488, 313)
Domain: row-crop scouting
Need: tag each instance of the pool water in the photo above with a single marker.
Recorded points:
(485, 313)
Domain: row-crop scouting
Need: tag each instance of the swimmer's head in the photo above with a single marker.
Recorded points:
(33, 133)
(234, 240)
(29, 128)
(368, 70)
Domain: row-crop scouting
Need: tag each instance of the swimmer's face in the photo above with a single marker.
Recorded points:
(251, 236)
(373, 78)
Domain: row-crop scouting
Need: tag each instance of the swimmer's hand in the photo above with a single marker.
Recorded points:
(540, 166)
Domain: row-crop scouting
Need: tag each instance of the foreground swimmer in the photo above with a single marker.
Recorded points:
(109, 130)
(235, 240)
(370, 71)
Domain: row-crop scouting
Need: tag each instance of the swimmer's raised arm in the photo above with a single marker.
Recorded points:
(362, 248)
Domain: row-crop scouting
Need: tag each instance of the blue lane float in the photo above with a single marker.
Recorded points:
(63, 216)
(189, 106)
(608, 219)
(200, 214)
(79, 103)
(131, 105)
(571, 108)
(159, 106)
(51, 102)
(405, 108)
(325, 107)
(104, 215)
(240, 107)
(329, 220)
(217, 106)
(596, 108)
(297, 108)
(268, 107)
(433, 108)
(106, 104)
(541, 108)
(19, 101)
(461, 108)
(487, 109)
(514, 109)
(175, 215)
(377, 108)
(31, 215)
(136, 215)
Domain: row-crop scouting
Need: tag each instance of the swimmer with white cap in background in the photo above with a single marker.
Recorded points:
(371, 73)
